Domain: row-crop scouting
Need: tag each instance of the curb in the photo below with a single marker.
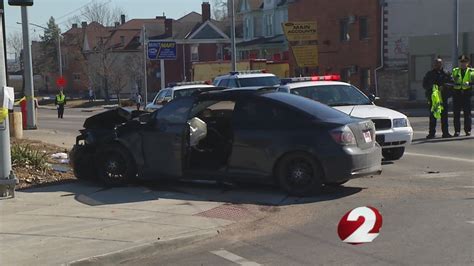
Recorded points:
(116, 257)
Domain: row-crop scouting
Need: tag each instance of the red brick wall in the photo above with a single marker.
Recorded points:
(335, 54)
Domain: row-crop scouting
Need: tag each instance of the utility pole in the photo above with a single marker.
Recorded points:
(28, 68)
(145, 72)
(232, 35)
(7, 178)
(455, 48)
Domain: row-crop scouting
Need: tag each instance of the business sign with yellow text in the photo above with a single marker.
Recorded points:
(300, 31)
(306, 55)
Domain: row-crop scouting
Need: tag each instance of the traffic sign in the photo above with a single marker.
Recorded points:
(61, 82)
(162, 50)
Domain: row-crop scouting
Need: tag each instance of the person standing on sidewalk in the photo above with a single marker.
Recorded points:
(138, 100)
(437, 77)
(60, 102)
(463, 81)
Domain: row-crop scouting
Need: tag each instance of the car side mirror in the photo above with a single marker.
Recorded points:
(373, 98)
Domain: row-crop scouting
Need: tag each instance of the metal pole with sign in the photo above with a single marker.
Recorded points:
(162, 50)
(7, 178)
(145, 73)
(28, 68)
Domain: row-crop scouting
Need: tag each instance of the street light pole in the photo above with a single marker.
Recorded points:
(145, 74)
(28, 70)
(232, 36)
(455, 47)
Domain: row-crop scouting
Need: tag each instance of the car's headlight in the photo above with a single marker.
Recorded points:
(400, 122)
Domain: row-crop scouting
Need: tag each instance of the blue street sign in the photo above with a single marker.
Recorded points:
(161, 50)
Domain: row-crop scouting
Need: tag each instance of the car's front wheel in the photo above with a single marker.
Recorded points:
(393, 154)
(115, 165)
(299, 175)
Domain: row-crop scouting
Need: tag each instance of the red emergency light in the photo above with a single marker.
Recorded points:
(312, 78)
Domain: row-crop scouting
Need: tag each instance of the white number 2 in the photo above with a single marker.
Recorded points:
(361, 234)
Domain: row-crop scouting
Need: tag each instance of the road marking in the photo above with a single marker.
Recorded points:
(441, 175)
(440, 157)
(233, 258)
(470, 222)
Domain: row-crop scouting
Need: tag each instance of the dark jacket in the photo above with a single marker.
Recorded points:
(438, 77)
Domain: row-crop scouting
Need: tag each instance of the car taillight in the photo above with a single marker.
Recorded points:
(343, 136)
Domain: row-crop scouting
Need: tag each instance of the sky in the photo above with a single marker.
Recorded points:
(61, 10)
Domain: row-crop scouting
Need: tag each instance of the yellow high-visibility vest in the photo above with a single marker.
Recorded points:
(463, 81)
(436, 102)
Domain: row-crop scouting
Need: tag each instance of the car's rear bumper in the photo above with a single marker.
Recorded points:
(353, 163)
(394, 137)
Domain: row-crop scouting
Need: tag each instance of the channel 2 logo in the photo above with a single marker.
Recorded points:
(360, 225)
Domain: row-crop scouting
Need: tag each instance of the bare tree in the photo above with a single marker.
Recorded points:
(15, 43)
(219, 8)
(134, 69)
(101, 12)
(119, 79)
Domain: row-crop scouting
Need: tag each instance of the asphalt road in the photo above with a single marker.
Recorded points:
(426, 200)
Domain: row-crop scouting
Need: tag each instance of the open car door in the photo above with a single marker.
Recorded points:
(164, 141)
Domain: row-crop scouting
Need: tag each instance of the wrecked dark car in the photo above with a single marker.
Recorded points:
(233, 136)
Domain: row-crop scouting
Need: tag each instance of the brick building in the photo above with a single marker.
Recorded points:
(349, 38)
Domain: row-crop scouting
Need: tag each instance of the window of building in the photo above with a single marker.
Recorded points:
(257, 27)
(247, 29)
(194, 52)
(269, 25)
(76, 77)
(344, 35)
(365, 79)
(345, 74)
(220, 52)
(363, 28)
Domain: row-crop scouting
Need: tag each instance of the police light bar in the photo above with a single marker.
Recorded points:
(248, 72)
(313, 78)
(174, 84)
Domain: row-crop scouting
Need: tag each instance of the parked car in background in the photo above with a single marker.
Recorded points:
(176, 90)
(247, 79)
(394, 132)
(236, 136)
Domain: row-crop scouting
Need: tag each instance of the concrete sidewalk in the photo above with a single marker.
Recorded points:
(65, 223)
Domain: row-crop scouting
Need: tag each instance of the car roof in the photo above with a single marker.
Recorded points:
(296, 85)
(184, 87)
(251, 75)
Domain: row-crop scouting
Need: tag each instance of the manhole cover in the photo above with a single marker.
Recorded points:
(227, 212)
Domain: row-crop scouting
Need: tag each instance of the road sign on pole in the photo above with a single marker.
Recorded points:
(162, 50)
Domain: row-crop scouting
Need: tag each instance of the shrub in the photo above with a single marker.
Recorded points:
(127, 103)
(23, 155)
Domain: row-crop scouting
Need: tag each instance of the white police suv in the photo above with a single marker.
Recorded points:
(250, 79)
(176, 90)
(393, 130)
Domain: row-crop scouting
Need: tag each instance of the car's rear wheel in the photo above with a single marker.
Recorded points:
(299, 175)
(82, 163)
(393, 154)
(115, 166)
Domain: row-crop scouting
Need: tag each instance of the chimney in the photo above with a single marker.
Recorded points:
(169, 27)
(74, 25)
(206, 11)
(84, 24)
(122, 19)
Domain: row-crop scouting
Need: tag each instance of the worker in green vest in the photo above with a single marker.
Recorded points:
(463, 77)
(60, 102)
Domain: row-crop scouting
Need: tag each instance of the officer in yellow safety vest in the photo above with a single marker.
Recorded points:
(463, 77)
(60, 102)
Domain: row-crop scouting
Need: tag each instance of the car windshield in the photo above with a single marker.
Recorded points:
(186, 92)
(333, 95)
(258, 82)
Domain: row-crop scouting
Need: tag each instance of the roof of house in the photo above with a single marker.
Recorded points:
(280, 38)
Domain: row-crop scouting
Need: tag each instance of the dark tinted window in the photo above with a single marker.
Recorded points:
(185, 92)
(344, 30)
(315, 109)
(333, 95)
(258, 82)
(223, 83)
(232, 83)
(264, 114)
(175, 112)
(363, 28)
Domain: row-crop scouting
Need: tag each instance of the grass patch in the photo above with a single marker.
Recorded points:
(26, 156)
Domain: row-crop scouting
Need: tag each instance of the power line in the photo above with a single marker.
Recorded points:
(75, 10)
(65, 21)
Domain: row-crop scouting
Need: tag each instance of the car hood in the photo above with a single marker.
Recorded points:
(369, 111)
(109, 119)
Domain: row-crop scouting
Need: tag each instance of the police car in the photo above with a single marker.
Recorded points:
(393, 130)
(176, 90)
(251, 79)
